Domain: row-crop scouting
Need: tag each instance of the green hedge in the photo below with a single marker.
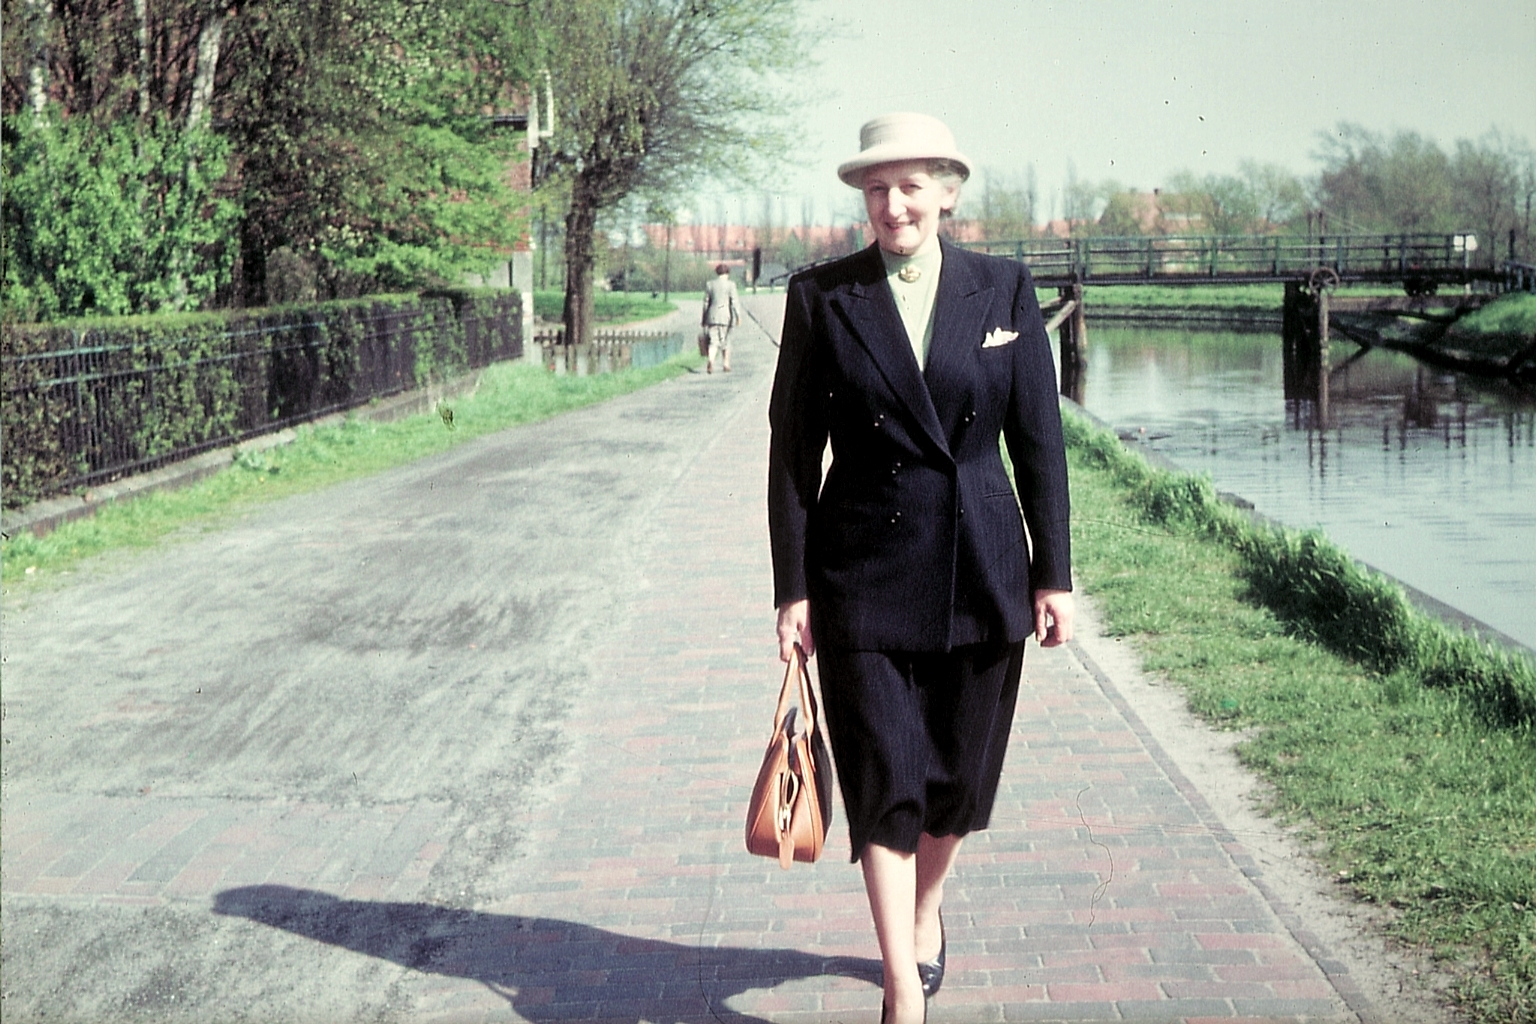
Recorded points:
(1321, 593)
(88, 400)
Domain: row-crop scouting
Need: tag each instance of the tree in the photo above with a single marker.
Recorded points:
(655, 95)
(1277, 196)
(1486, 175)
(1123, 215)
(1215, 204)
(356, 130)
(1526, 191)
(363, 140)
(1007, 209)
(1078, 200)
(1371, 183)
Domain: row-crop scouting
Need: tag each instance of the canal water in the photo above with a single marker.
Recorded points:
(1425, 474)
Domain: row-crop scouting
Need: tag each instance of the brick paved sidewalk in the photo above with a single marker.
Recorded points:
(1105, 889)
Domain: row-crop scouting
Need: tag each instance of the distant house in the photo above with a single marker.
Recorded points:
(726, 240)
(1154, 213)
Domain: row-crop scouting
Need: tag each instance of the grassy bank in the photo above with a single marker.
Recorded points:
(1407, 748)
(1502, 328)
(509, 394)
(612, 308)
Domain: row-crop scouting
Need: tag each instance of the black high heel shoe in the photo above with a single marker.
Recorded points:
(931, 972)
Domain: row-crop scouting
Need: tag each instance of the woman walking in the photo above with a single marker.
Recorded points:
(909, 567)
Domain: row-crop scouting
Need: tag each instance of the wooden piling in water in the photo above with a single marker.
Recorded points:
(1072, 335)
(1322, 357)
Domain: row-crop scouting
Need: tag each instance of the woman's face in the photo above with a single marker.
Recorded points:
(903, 202)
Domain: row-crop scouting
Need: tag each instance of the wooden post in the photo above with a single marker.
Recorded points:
(1293, 339)
(1073, 340)
(1322, 358)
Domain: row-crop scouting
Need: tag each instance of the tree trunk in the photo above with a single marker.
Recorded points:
(580, 232)
(40, 13)
(141, 12)
(207, 65)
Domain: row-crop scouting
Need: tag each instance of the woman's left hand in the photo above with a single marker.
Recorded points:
(1053, 617)
(795, 628)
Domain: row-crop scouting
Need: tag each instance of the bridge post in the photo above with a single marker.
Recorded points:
(1073, 339)
(1323, 366)
(1305, 336)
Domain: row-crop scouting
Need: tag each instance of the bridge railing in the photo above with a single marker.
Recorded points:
(1244, 256)
(1519, 276)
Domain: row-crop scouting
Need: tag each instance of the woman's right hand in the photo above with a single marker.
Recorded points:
(795, 627)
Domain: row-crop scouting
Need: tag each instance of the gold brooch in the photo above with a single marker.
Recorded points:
(909, 273)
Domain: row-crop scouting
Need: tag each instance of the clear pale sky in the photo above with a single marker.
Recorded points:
(1136, 91)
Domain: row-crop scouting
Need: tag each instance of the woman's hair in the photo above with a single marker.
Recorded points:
(948, 172)
(950, 175)
(721, 268)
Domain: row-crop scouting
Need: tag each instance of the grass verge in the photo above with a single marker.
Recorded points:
(612, 308)
(1404, 746)
(509, 394)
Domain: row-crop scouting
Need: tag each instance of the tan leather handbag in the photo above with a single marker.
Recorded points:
(792, 802)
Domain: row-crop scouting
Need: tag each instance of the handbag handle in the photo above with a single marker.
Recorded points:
(796, 667)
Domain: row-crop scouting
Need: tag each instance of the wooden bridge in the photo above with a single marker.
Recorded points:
(1310, 269)
(1420, 261)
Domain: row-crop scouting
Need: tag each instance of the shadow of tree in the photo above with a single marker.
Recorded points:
(547, 969)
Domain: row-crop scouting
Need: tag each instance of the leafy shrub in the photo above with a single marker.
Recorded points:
(113, 220)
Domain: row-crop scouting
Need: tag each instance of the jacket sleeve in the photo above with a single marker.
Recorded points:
(796, 417)
(1032, 431)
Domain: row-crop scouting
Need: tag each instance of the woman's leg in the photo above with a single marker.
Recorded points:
(890, 880)
(935, 857)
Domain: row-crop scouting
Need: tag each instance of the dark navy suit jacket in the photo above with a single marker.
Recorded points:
(914, 541)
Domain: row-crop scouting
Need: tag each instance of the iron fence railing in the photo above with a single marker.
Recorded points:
(84, 405)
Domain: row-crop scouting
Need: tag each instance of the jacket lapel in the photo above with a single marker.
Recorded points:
(959, 312)
(872, 317)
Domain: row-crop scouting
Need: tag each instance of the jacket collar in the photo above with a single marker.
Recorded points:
(957, 314)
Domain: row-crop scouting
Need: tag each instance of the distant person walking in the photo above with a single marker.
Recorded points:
(722, 311)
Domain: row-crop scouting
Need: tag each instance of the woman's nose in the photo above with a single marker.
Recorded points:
(895, 202)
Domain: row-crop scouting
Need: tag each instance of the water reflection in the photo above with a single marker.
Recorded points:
(1428, 474)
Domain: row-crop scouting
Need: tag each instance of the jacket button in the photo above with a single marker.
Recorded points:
(962, 511)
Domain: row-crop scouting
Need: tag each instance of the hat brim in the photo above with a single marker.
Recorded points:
(895, 153)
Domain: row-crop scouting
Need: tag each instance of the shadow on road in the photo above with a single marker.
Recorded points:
(547, 969)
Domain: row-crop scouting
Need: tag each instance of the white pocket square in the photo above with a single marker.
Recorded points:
(999, 337)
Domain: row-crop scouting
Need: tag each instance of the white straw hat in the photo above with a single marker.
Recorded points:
(895, 137)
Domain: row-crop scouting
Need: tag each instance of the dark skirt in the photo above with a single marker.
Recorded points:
(918, 739)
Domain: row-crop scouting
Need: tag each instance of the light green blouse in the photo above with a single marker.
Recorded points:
(914, 298)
